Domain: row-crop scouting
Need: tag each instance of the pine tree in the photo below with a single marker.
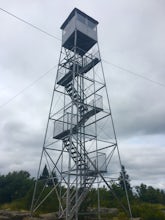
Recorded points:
(45, 173)
(124, 180)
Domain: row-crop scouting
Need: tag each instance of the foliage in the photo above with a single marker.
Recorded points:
(147, 211)
(149, 194)
(50, 178)
(45, 173)
(51, 203)
(124, 180)
(14, 186)
(16, 190)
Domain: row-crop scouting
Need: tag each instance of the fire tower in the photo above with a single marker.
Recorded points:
(80, 146)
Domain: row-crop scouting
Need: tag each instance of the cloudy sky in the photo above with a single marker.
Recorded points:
(131, 37)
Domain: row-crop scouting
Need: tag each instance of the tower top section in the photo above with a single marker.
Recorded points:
(79, 32)
(73, 13)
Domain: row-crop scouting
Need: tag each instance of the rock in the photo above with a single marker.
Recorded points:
(136, 219)
(31, 218)
(4, 217)
(49, 216)
(109, 210)
(105, 210)
(13, 215)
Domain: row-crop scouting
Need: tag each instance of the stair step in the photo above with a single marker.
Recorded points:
(73, 153)
(69, 91)
(75, 95)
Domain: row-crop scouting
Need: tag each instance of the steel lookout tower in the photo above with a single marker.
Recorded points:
(80, 148)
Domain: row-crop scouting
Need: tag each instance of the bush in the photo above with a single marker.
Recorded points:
(147, 212)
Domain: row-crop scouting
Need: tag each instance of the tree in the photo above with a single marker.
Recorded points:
(124, 180)
(14, 185)
(49, 177)
(149, 194)
(45, 173)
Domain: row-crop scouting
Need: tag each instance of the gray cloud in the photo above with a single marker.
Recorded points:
(144, 160)
(131, 34)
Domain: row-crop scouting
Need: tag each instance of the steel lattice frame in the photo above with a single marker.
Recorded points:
(80, 144)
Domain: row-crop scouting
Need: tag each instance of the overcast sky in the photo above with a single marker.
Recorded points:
(131, 36)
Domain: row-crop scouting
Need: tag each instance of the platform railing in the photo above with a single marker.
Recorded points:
(99, 162)
(88, 58)
(65, 69)
(64, 123)
(97, 102)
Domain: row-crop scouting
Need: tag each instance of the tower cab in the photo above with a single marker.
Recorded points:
(79, 32)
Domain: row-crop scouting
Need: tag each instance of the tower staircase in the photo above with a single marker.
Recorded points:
(81, 160)
(86, 110)
(76, 198)
(76, 97)
(75, 154)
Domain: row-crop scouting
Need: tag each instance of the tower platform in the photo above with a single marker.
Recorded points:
(81, 70)
(75, 128)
